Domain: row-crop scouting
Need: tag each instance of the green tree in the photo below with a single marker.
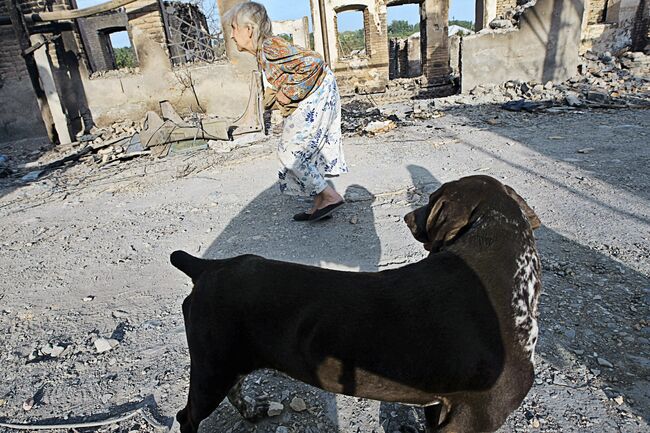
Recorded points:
(352, 40)
(467, 24)
(125, 58)
(402, 29)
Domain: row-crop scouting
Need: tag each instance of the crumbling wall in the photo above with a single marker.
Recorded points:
(298, 29)
(219, 89)
(362, 73)
(454, 54)
(216, 89)
(435, 42)
(503, 6)
(95, 33)
(148, 33)
(20, 115)
(596, 11)
(414, 55)
(544, 47)
(370, 73)
(405, 57)
(614, 25)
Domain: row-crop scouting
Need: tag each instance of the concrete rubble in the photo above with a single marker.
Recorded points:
(603, 82)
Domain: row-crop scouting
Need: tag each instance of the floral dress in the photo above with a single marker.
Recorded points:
(311, 146)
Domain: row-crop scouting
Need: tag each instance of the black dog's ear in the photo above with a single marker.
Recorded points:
(447, 219)
(533, 219)
(192, 266)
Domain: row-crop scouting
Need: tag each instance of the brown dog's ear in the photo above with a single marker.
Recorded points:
(533, 219)
(446, 220)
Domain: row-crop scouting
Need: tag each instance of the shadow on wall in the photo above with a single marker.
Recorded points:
(544, 47)
(562, 35)
(71, 87)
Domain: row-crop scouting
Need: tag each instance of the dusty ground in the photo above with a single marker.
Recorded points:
(85, 256)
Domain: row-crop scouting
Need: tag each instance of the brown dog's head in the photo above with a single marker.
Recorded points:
(455, 206)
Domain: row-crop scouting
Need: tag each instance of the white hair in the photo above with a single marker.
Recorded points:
(253, 15)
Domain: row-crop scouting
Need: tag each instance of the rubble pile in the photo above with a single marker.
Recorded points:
(116, 130)
(602, 82)
(512, 15)
(119, 129)
(115, 73)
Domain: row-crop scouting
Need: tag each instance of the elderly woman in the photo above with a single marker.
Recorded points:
(301, 85)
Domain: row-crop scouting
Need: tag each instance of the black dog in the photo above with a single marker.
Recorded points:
(454, 333)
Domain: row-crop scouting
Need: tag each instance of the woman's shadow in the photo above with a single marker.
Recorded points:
(347, 241)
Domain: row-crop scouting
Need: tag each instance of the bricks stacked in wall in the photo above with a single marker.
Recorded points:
(503, 6)
(12, 65)
(596, 11)
(146, 16)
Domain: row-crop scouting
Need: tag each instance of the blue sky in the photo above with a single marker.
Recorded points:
(293, 9)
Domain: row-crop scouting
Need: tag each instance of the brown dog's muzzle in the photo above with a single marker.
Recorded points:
(409, 219)
(416, 222)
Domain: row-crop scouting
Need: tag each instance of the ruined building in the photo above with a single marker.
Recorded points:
(58, 72)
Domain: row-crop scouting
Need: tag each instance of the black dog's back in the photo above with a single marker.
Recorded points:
(429, 305)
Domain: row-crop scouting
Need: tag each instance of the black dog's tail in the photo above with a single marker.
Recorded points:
(192, 266)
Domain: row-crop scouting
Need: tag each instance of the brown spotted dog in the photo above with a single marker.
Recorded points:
(454, 333)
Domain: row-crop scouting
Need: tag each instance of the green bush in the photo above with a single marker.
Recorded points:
(125, 58)
(401, 29)
(467, 24)
(351, 40)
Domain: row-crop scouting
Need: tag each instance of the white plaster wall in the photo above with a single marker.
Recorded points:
(298, 29)
(545, 47)
(221, 90)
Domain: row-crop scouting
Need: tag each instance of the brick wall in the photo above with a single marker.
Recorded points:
(435, 40)
(367, 73)
(12, 65)
(146, 15)
(375, 40)
(505, 5)
(596, 11)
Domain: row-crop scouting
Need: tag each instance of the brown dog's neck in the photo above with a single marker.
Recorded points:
(496, 240)
(491, 231)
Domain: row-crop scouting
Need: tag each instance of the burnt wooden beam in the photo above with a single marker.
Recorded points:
(66, 15)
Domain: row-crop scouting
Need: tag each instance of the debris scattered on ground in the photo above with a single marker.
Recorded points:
(602, 82)
(379, 127)
(357, 114)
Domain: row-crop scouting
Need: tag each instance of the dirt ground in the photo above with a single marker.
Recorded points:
(84, 260)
